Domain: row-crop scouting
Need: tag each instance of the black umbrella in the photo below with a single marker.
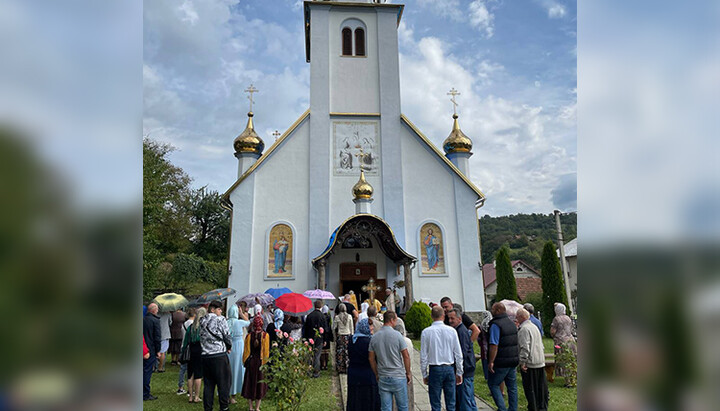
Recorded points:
(218, 294)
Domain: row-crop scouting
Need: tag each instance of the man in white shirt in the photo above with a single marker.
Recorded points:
(439, 351)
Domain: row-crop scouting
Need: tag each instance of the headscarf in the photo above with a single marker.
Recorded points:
(233, 316)
(279, 318)
(485, 317)
(257, 309)
(364, 307)
(325, 309)
(342, 316)
(559, 309)
(400, 326)
(362, 330)
(257, 325)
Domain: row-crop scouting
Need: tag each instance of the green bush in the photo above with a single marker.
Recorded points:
(535, 299)
(418, 318)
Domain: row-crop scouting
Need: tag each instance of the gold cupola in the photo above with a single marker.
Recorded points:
(362, 189)
(248, 141)
(457, 141)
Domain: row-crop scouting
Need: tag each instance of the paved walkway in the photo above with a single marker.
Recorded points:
(422, 400)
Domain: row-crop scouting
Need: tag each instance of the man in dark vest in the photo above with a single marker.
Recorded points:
(503, 358)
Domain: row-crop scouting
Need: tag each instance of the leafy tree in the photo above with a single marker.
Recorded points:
(506, 287)
(166, 218)
(553, 285)
(211, 225)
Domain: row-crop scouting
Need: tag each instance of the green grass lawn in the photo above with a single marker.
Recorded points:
(320, 395)
(561, 398)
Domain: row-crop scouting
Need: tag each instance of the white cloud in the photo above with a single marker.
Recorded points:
(481, 18)
(446, 8)
(554, 9)
(520, 152)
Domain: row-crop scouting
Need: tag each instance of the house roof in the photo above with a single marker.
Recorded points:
(305, 115)
(570, 248)
(489, 274)
(527, 285)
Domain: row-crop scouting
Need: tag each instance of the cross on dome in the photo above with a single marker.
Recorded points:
(250, 90)
(453, 93)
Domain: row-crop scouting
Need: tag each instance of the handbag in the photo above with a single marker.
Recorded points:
(185, 353)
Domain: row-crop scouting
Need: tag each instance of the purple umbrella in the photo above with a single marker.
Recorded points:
(264, 299)
(319, 294)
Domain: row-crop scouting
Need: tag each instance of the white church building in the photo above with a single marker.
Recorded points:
(353, 190)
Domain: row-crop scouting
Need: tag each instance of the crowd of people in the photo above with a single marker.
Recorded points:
(370, 346)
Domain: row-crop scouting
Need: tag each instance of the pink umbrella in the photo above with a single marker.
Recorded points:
(511, 308)
(319, 294)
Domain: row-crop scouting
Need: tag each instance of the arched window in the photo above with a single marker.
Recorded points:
(359, 42)
(346, 42)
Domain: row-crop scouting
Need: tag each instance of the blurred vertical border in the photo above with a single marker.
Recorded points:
(70, 195)
(649, 205)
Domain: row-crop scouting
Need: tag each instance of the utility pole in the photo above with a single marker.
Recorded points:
(563, 263)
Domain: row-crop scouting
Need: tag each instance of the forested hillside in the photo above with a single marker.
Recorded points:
(524, 234)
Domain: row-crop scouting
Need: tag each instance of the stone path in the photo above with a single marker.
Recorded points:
(422, 401)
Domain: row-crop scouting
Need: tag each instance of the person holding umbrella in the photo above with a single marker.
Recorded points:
(216, 342)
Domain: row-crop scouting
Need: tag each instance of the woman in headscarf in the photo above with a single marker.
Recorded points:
(293, 327)
(363, 394)
(482, 340)
(363, 311)
(343, 327)
(255, 354)
(237, 321)
(561, 331)
(327, 336)
(194, 367)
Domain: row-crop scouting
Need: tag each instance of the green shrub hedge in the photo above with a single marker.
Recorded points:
(418, 318)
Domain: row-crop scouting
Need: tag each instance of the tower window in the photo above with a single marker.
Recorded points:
(359, 42)
(346, 42)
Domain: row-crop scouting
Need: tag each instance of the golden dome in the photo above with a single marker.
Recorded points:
(248, 141)
(457, 141)
(362, 189)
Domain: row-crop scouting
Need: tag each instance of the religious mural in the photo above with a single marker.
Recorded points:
(356, 144)
(431, 249)
(280, 252)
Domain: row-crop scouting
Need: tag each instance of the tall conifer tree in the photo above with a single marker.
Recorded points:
(553, 285)
(506, 287)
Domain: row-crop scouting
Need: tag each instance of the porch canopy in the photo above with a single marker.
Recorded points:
(357, 230)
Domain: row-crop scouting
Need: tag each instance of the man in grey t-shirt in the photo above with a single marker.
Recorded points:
(390, 360)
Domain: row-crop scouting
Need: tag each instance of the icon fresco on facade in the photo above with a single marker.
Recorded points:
(355, 145)
(431, 249)
(280, 251)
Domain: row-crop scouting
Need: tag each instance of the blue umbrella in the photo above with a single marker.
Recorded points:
(277, 292)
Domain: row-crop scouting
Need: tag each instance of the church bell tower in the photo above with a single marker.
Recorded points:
(352, 48)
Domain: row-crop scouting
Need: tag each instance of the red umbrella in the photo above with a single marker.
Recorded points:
(294, 304)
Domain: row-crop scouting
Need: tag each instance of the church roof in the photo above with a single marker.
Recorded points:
(362, 224)
(305, 115)
(226, 196)
(452, 167)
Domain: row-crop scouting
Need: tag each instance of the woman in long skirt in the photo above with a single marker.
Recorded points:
(343, 326)
(237, 321)
(256, 353)
(363, 394)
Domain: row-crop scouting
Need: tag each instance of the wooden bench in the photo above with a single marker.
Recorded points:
(550, 367)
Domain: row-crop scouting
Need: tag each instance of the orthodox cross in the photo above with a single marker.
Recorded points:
(453, 93)
(361, 158)
(250, 90)
(370, 288)
(276, 134)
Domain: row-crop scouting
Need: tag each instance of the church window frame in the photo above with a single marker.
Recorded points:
(359, 37)
(446, 262)
(266, 248)
(357, 30)
(347, 42)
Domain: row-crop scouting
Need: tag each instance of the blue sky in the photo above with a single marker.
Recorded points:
(514, 63)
